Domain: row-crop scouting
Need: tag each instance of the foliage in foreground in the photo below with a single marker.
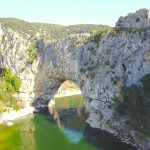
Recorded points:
(9, 85)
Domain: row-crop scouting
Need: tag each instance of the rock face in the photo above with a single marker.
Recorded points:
(101, 67)
(138, 20)
(13, 54)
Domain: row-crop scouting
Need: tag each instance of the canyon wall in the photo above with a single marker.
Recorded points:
(101, 66)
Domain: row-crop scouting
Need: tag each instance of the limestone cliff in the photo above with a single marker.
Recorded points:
(101, 66)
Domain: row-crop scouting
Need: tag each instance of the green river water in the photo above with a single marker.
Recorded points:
(57, 128)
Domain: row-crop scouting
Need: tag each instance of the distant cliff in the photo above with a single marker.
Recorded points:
(111, 68)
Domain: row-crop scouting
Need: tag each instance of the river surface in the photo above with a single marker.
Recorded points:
(61, 127)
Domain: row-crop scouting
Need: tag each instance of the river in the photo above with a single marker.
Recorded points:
(59, 127)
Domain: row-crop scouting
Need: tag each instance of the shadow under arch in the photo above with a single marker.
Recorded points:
(59, 88)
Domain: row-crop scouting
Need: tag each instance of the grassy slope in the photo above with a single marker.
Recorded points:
(56, 31)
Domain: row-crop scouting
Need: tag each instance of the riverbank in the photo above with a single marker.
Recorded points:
(68, 93)
(13, 115)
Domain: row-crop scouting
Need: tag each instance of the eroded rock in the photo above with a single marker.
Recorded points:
(101, 67)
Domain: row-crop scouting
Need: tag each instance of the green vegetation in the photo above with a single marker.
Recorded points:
(3, 39)
(18, 25)
(109, 106)
(85, 28)
(67, 102)
(51, 31)
(47, 132)
(130, 100)
(115, 99)
(96, 35)
(59, 31)
(31, 55)
(136, 105)
(118, 29)
(115, 79)
(33, 51)
(133, 30)
(10, 84)
(146, 82)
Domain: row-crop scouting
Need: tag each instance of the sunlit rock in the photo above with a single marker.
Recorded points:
(9, 123)
(99, 66)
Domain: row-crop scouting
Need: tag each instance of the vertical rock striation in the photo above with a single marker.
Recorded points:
(101, 67)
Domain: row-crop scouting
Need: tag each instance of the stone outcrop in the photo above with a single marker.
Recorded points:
(101, 67)
(138, 20)
(13, 54)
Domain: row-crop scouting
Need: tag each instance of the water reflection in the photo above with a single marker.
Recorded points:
(105, 140)
(38, 133)
(8, 134)
(19, 136)
(70, 115)
(60, 127)
(59, 131)
(26, 131)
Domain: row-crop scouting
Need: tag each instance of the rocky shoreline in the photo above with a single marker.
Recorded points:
(67, 94)
(13, 115)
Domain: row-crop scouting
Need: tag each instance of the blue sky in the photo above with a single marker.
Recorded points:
(71, 11)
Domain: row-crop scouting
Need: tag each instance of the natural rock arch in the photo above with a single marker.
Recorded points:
(56, 65)
(68, 88)
(47, 96)
(91, 64)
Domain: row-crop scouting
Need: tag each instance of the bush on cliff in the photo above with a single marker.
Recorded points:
(31, 55)
(146, 82)
(136, 105)
(9, 85)
(11, 82)
(100, 33)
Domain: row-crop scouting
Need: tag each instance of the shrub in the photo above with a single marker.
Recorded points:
(7, 75)
(146, 82)
(100, 33)
(114, 81)
(115, 99)
(109, 106)
(31, 55)
(113, 66)
(16, 82)
(9, 84)
(118, 29)
(35, 44)
(136, 106)
(6, 97)
(16, 107)
(133, 30)
(130, 100)
(137, 19)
